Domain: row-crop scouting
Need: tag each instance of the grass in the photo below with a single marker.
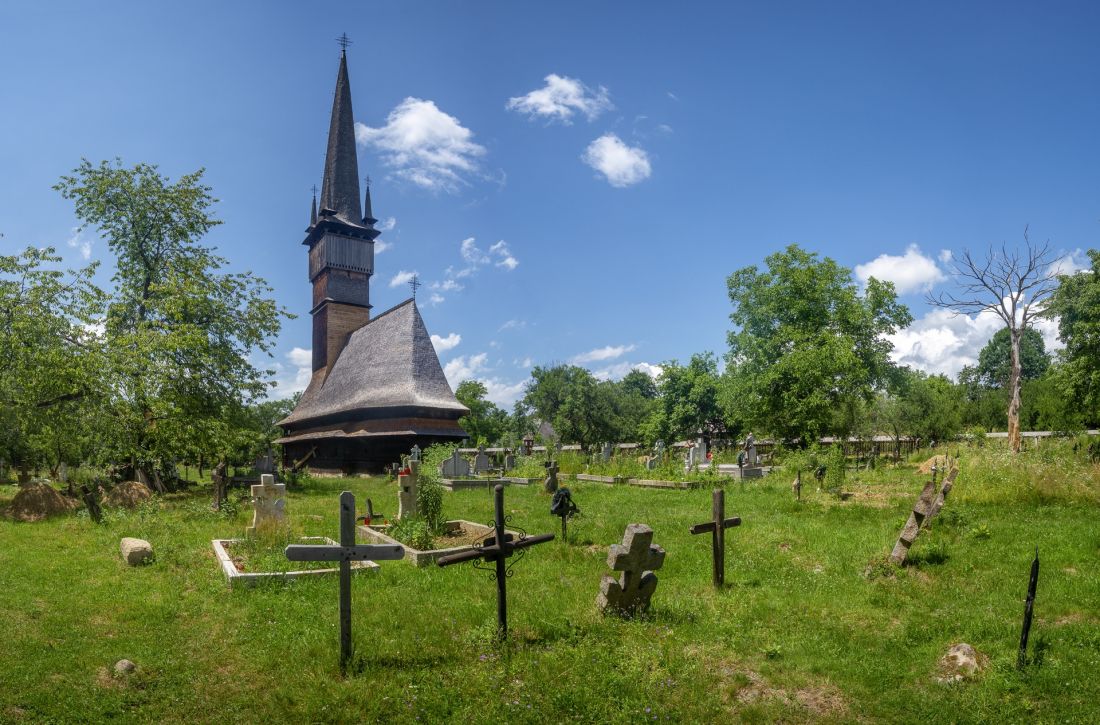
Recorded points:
(812, 625)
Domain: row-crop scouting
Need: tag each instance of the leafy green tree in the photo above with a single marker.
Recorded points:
(688, 400)
(805, 341)
(581, 408)
(50, 359)
(1076, 304)
(994, 368)
(180, 330)
(485, 423)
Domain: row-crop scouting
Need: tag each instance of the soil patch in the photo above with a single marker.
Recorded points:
(940, 462)
(128, 494)
(38, 501)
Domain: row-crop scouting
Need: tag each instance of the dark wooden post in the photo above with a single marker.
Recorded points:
(92, 503)
(717, 528)
(1021, 659)
(501, 569)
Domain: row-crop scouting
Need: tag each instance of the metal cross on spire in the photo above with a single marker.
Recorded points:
(366, 180)
(314, 187)
(343, 41)
(416, 284)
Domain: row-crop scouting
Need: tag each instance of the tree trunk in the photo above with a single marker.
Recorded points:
(1014, 393)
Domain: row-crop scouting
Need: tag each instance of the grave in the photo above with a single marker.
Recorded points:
(406, 489)
(551, 483)
(458, 528)
(454, 467)
(637, 558)
(345, 552)
(605, 452)
(495, 550)
(268, 503)
(912, 526)
(716, 527)
(509, 461)
(481, 461)
(235, 578)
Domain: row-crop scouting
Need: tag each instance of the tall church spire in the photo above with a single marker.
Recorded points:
(340, 187)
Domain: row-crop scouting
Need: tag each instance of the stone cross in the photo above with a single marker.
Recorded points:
(406, 490)
(716, 527)
(551, 483)
(941, 497)
(636, 558)
(912, 526)
(345, 553)
(481, 461)
(268, 502)
(414, 454)
(496, 549)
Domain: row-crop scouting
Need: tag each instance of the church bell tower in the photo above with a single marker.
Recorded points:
(340, 238)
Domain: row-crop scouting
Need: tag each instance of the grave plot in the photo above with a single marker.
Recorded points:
(239, 570)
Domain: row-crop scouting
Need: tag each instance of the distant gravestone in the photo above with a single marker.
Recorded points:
(551, 483)
(406, 490)
(63, 472)
(268, 502)
(637, 558)
(265, 464)
(509, 461)
(912, 526)
(481, 461)
(455, 467)
(751, 458)
(414, 454)
(605, 452)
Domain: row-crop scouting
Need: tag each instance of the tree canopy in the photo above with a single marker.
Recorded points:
(1076, 303)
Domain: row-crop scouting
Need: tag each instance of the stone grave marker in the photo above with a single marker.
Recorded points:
(637, 558)
(481, 461)
(605, 452)
(455, 467)
(941, 497)
(509, 461)
(496, 549)
(345, 553)
(406, 490)
(912, 526)
(265, 464)
(414, 454)
(268, 502)
(716, 527)
(550, 485)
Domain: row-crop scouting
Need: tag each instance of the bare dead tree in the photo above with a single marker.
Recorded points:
(1012, 283)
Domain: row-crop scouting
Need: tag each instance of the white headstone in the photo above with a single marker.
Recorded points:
(268, 502)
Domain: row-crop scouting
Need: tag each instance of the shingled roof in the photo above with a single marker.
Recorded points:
(388, 363)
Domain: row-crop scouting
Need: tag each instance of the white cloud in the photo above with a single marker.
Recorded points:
(435, 299)
(622, 165)
(475, 258)
(503, 393)
(289, 381)
(512, 325)
(946, 256)
(610, 352)
(464, 368)
(443, 344)
(560, 98)
(77, 241)
(910, 272)
(402, 277)
(447, 285)
(526, 362)
(387, 224)
(424, 145)
(941, 342)
(504, 255)
(619, 370)
(380, 246)
(1069, 263)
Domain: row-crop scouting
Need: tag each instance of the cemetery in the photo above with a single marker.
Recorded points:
(700, 388)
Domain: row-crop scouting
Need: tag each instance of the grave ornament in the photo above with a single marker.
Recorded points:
(346, 552)
(716, 527)
(637, 558)
(562, 505)
(268, 502)
(500, 546)
(406, 490)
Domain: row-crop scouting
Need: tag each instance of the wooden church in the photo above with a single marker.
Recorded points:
(377, 386)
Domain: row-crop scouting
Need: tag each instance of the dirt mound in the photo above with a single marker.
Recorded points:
(940, 462)
(37, 501)
(127, 494)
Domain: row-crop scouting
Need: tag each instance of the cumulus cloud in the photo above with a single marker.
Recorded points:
(512, 325)
(435, 299)
(402, 277)
(474, 257)
(381, 246)
(424, 145)
(1069, 263)
(465, 367)
(476, 367)
(443, 344)
(619, 370)
(910, 272)
(77, 241)
(387, 224)
(560, 98)
(504, 255)
(609, 352)
(295, 377)
(447, 285)
(620, 164)
(503, 393)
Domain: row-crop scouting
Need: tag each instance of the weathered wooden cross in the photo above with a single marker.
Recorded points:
(346, 552)
(717, 528)
(496, 549)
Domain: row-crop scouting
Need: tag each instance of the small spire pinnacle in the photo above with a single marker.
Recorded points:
(313, 211)
(368, 214)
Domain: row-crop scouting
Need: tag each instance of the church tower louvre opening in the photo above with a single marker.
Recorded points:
(377, 387)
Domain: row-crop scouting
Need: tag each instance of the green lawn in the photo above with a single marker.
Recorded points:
(808, 629)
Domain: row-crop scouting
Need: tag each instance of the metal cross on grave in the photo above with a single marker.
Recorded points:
(496, 549)
(636, 558)
(716, 527)
(345, 552)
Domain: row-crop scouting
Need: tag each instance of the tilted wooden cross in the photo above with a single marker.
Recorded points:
(496, 549)
(346, 552)
(717, 528)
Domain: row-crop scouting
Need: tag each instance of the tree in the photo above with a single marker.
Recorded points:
(994, 368)
(581, 408)
(179, 329)
(485, 423)
(688, 400)
(1015, 286)
(805, 342)
(1076, 303)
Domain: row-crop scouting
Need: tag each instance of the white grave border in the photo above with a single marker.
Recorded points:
(241, 578)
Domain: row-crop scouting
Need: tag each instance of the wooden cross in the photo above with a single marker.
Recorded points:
(416, 284)
(496, 549)
(346, 552)
(717, 529)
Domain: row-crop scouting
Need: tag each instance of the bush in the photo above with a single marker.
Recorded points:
(413, 531)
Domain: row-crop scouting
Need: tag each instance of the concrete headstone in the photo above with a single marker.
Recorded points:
(637, 558)
(481, 461)
(406, 490)
(455, 467)
(268, 502)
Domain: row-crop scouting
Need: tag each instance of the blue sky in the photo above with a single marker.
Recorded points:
(578, 179)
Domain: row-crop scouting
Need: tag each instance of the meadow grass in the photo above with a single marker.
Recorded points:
(812, 625)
